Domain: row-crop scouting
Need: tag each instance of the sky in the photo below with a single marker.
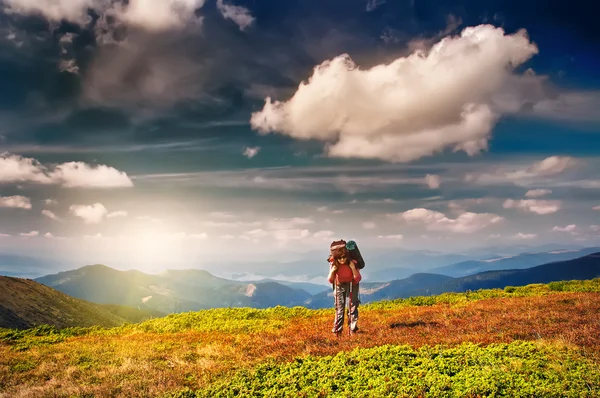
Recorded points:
(155, 134)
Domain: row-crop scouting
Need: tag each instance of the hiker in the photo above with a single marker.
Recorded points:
(344, 276)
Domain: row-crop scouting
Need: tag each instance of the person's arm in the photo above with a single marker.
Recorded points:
(355, 273)
(332, 271)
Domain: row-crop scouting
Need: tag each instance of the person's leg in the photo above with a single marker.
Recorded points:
(354, 302)
(340, 307)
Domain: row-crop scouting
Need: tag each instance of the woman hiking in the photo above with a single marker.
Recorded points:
(344, 276)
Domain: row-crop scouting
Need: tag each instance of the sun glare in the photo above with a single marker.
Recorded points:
(156, 249)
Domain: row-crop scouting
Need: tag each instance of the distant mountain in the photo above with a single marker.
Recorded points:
(24, 266)
(520, 261)
(587, 267)
(25, 303)
(390, 274)
(171, 291)
(513, 250)
(260, 295)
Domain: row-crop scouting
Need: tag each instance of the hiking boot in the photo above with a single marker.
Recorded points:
(355, 330)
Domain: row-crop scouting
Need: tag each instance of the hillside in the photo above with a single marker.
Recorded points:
(25, 303)
(538, 340)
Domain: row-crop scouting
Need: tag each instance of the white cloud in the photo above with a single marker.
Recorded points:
(251, 152)
(54, 10)
(31, 234)
(232, 224)
(288, 223)
(15, 168)
(435, 221)
(184, 235)
(149, 219)
(579, 106)
(373, 4)
(521, 235)
(536, 193)
(50, 202)
(68, 65)
(16, 202)
(411, 108)
(114, 214)
(160, 14)
(597, 208)
(220, 214)
(50, 214)
(384, 201)
(534, 205)
(5, 235)
(290, 234)
(98, 236)
(369, 225)
(391, 237)
(254, 235)
(595, 228)
(48, 235)
(548, 167)
(79, 174)
(462, 204)
(91, 214)
(569, 228)
(433, 181)
(239, 15)
(154, 15)
(324, 234)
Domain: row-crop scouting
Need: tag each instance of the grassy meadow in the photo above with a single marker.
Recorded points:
(532, 341)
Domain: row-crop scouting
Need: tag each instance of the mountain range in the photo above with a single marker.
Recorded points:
(489, 263)
(191, 290)
(97, 294)
(587, 267)
(171, 291)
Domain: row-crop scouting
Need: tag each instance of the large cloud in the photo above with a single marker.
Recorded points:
(15, 168)
(410, 108)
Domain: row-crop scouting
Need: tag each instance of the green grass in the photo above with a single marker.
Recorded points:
(519, 369)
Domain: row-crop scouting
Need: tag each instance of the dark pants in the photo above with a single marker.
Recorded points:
(345, 291)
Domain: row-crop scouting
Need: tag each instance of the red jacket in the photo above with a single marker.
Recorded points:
(344, 274)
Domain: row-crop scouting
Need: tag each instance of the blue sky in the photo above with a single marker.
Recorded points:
(160, 134)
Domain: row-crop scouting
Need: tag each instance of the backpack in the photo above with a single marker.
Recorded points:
(352, 249)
